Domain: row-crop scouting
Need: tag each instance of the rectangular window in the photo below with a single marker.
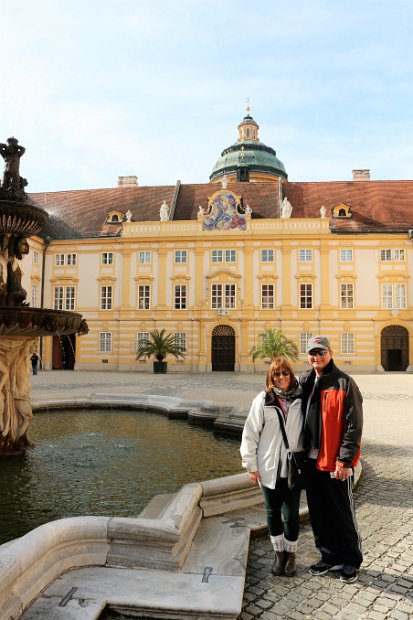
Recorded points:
(306, 256)
(34, 295)
(267, 256)
(180, 296)
(267, 296)
(35, 257)
(346, 256)
(180, 256)
(217, 256)
(107, 258)
(400, 296)
(71, 259)
(105, 342)
(106, 298)
(144, 296)
(395, 254)
(180, 340)
(70, 298)
(58, 298)
(347, 296)
(144, 257)
(387, 296)
(306, 295)
(230, 296)
(141, 338)
(304, 339)
(216, 296)
(347, 343)
(59, 260)
(230, 256)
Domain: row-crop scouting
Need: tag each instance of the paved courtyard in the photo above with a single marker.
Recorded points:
(384, 499)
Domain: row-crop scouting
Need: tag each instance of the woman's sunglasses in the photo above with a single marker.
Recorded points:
(284, 373)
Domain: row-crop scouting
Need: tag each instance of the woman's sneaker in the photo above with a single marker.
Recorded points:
(321, 568)
(348, 574)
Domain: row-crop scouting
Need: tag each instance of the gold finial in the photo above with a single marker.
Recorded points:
(242, 152)
(248, 105)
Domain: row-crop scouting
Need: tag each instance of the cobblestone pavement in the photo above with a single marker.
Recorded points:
(384, 499)
(384, 505)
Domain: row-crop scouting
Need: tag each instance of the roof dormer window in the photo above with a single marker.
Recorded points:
(342, 211)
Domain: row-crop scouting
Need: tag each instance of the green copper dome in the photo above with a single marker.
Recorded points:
(248, 156)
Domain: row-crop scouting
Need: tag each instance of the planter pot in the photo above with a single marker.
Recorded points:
(160, 367)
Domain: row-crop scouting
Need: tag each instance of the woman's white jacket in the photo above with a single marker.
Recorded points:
(262, 447)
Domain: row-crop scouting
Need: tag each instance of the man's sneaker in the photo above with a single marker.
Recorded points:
(348, 574)
(321, 568)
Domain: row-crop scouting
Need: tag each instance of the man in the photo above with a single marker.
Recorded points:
(332, 435)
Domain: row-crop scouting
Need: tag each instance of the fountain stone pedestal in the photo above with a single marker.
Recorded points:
(20, 325)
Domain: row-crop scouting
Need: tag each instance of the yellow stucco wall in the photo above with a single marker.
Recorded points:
(286, 237)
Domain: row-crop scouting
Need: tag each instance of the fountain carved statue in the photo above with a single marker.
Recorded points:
(20, 325)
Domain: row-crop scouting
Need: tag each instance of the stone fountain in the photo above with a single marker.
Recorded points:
(20, 325)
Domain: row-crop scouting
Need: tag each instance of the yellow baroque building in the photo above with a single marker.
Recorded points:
(218, 263)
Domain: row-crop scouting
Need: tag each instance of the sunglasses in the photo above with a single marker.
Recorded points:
(284, 373)
(315, 352)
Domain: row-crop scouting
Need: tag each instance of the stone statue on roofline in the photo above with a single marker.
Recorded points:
(201, 212)
(248, 210)
(164, 212)
(128, 215)
(286, 209)
(323, 211)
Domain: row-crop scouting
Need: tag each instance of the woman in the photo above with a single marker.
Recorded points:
(265, 457)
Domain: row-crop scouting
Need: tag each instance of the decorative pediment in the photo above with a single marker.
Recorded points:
(342, 210)
(224, 212)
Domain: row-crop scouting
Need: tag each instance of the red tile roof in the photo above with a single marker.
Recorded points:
(382, 206)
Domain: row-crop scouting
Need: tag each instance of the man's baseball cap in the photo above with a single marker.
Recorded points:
(318, 342)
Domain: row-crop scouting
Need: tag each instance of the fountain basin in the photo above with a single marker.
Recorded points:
(35, 322)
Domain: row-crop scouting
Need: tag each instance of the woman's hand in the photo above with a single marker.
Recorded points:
(254, 476)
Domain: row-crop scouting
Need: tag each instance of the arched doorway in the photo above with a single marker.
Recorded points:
(64, 351)
(394, 348)
(223, 348)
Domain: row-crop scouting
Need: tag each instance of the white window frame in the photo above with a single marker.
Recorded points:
(304, 340)
(230, 256)
(180, 339)
(144, 297)
(70, 297)
(107, 258)
(267, 296)
(59, 260)
(58, 295)
(267, 255)
(230, 293)
(305, 255)
(393, 296)
(392, 254)
(216, 296)
(106, 297)
(347, 296)
(180, 297)
(305, 294)
(346, 255)
(217, 256)
(181, 256)
(144, 257)
(141, 337)
(71, 259)
(347, 343)
(105, 342)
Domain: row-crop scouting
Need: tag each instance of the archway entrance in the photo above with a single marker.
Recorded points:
(63, 354)
(223, 348)
(394, 348)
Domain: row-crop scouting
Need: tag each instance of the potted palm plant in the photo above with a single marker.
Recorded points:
(272, 343)
(159, 344)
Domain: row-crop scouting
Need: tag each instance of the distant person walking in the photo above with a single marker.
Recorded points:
(264, 456)
(35, 361)
(332, 434)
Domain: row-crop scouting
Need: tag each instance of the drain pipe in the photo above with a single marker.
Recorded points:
(47, 240)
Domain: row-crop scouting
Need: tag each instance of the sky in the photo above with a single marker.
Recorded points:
(96, 89)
